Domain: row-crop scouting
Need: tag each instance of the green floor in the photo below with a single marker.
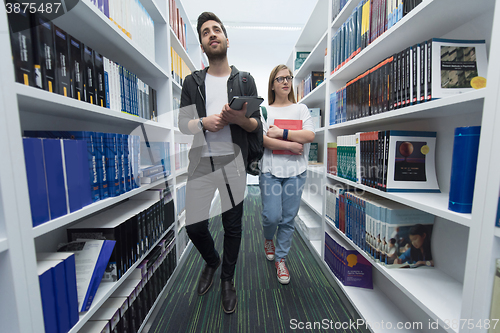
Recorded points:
(264, 305)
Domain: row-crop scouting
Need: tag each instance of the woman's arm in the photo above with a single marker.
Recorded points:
(300, 136)
(278, 144)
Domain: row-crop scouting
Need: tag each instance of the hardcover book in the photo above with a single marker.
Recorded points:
(43, 45)
(76, 68)
(21, 44)
(411, 162)
(409, 246)
(99, 77)
(62, 62)
(457, 66)
(91, 259)
(290, 124)
(89, 86)
(300, 57)
(47, 293)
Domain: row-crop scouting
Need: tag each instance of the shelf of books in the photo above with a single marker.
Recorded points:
(446, 119)
(378, 311)
(434, 203)
(102, 34)
(316, 56)
(36, 103)
(106, 289)
(316, 96)
(438, 294)
(156, 13)
(65, 220)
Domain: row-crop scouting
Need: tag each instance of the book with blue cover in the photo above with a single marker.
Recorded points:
(113, 164)
(91, 259)
(102, 172)
(37, 185)
(47, 293)
(55, 177)
(73, 174)
(68, 260)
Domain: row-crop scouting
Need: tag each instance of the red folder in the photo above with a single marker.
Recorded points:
(290, 124)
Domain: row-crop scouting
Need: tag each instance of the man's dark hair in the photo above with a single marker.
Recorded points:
(208, 16)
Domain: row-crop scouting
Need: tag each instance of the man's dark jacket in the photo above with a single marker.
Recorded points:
(193, 106)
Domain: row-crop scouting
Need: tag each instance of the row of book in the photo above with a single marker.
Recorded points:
(179, 68)
(134, 225)
(350, 267)
(125, 92)
(422, 72)
(177, 23)
(309, 83)
(128, 307)
(45, 56)
(337, 6)
(181, 199)
(369, 20)
(392, 160)
(133, 19)
(381, 227)
(58, 290)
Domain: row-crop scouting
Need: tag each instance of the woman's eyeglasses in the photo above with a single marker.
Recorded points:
(282, 79)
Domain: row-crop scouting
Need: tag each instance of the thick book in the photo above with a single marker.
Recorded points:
(102, 170)
(99, 80)
(411, 162)
(47, 293)
(76, 68)
(44, 52)
(91, 260)
(110, 312)
(290, 124)
(54, 172)
(37, 183)
(21, 44)
(153, 178)
(300, 57)
(68, 260)
(113, 164)
(456, 66)
(61, 41)
(409, 245)
(89, 81)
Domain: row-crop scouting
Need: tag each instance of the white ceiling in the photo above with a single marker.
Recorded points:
(253, 47)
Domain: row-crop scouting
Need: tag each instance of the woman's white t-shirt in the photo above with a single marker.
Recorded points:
(285, 166)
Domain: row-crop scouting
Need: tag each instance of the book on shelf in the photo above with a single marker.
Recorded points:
(290, 124)
(47, 294)
(62, 62)
(21, 46)
(411, 161)
(300, 57)
(91, 260)
(89, 82)
(110, 312)
(331, 160)
(44, 53)
(313, 153)
(76, 68)
(455, 66)
(409, 246)
(154, 178)
(316, 116)
(100, 89)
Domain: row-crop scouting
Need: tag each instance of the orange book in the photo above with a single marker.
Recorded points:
(290, 124)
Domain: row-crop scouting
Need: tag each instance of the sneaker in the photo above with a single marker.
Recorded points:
(269, 248)
(282, 272)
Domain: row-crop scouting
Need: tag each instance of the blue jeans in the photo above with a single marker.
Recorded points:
(280, 205)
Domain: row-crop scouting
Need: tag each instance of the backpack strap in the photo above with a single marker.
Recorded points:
(263, 110)
(243, 79)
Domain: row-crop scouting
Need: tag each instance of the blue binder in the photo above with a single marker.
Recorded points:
(55, 177)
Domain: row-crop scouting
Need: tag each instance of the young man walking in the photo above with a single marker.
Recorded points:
(218, 155)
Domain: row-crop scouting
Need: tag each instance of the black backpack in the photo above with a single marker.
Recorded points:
(255, 140)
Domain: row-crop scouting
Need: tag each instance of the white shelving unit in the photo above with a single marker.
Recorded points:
(27, 108)
(465, 246)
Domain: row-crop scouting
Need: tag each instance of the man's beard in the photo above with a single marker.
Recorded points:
(215, 55)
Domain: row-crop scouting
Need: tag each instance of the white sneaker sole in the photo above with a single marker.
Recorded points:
(284, 281)
(270, 258)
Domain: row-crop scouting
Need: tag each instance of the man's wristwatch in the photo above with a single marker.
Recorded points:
(200, 124)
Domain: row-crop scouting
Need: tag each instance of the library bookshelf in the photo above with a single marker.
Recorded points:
(29, 108)
(456, 293)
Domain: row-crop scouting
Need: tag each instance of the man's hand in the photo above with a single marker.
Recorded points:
(275, 132)
(232, 116)
(214, 123)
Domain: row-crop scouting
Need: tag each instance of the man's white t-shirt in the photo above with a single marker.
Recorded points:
(285, 166)
(218, 143)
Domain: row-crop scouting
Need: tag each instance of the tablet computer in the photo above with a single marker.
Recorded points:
(253, 103)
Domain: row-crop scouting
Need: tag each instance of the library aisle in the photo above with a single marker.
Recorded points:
(264, 305)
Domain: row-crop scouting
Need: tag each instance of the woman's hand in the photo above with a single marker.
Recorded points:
(275, 132)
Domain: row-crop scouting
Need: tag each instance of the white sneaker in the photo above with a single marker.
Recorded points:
(269, 248)
(282, 272)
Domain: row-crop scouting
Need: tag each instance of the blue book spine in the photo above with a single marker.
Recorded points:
(61, 294)
(121, 161)
(122, 88)
(47, 294)
(83, 170)
(55, 177)
(106, 82)
(37, 185)
(112, 164)
(70, 271)
(100, 267)
(106, 9)
(126, 153)
(101, 165)
(137, 147)
(73, 166)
